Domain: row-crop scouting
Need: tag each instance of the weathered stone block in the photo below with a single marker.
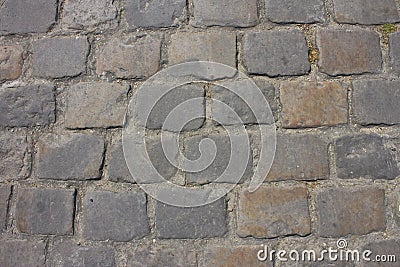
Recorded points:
(364, 156)
(66, 252)
(80, 14)
(299, 157)
(276, 53)
(130, 58)
(114, 216)
(11, 61)
(357, 211)
(211, 46)
(26, 16)
(366, 12)
(32, 105)
(198, 222)
(394, 51)
(70, 157)
(162, 256)
(222, 256)
(96, 105)
(167, 103)
(5, 192)
(47, 211)
(59, 57)
(22, 253)
(349, 52)
(376, 102)
(272, 212)
(312, 104)
(293, 11)
(154, 14)
(227, 93)
(237, 13)
(219, 164)
(386, 249)
(15, 157)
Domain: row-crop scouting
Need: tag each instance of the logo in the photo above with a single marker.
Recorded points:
(157, 100)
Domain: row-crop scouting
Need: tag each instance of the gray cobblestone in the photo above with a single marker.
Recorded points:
(346, 52)
(394, 44)
(5, 192)
(117, 168)
(366, 11)
(357, 211)
(114, 216)
(198, 222)
(69, 157)
(25, 16)
(59, 57)
(67, 253)
(211, 46)
(80, 14)
(276, 53)
(364, 156)
(32, 105)
(299, 157)
(154, 14)
(11, 59)
(237, 13)
(47, 211)
(376, 102)
(91, 105)
(130, 57)
(292, 11)
(22, 253)
(15, 157)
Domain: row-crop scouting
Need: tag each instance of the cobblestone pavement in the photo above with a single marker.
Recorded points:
(68, 69)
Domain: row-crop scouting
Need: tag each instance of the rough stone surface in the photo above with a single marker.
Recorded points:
(47, 211)
(349, 52)
(59, 57)
(364, 156)
(22, 253)
(11, 61)
(357, 211)
(32, 105)
(26, 16)
(237, 13)
(376, 102)
(198, 222)
(272, 212)
(366, 12)
(396, 206)
(276, 53)
(96, 105)
(130, 57)
(222, 256)
(67, 253)
(299, 157)
(384, 248)
(70, 157)
(211, 46)
(158, 159)
(154, 14)
(162, 256)
(220, 163)
(114, 216)
(117, 168)
(5, 192)
(394, 50)
(15, 157)
(167, 103)
(293, 11)
(228, 94)
(312, 104)
(80, 14)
